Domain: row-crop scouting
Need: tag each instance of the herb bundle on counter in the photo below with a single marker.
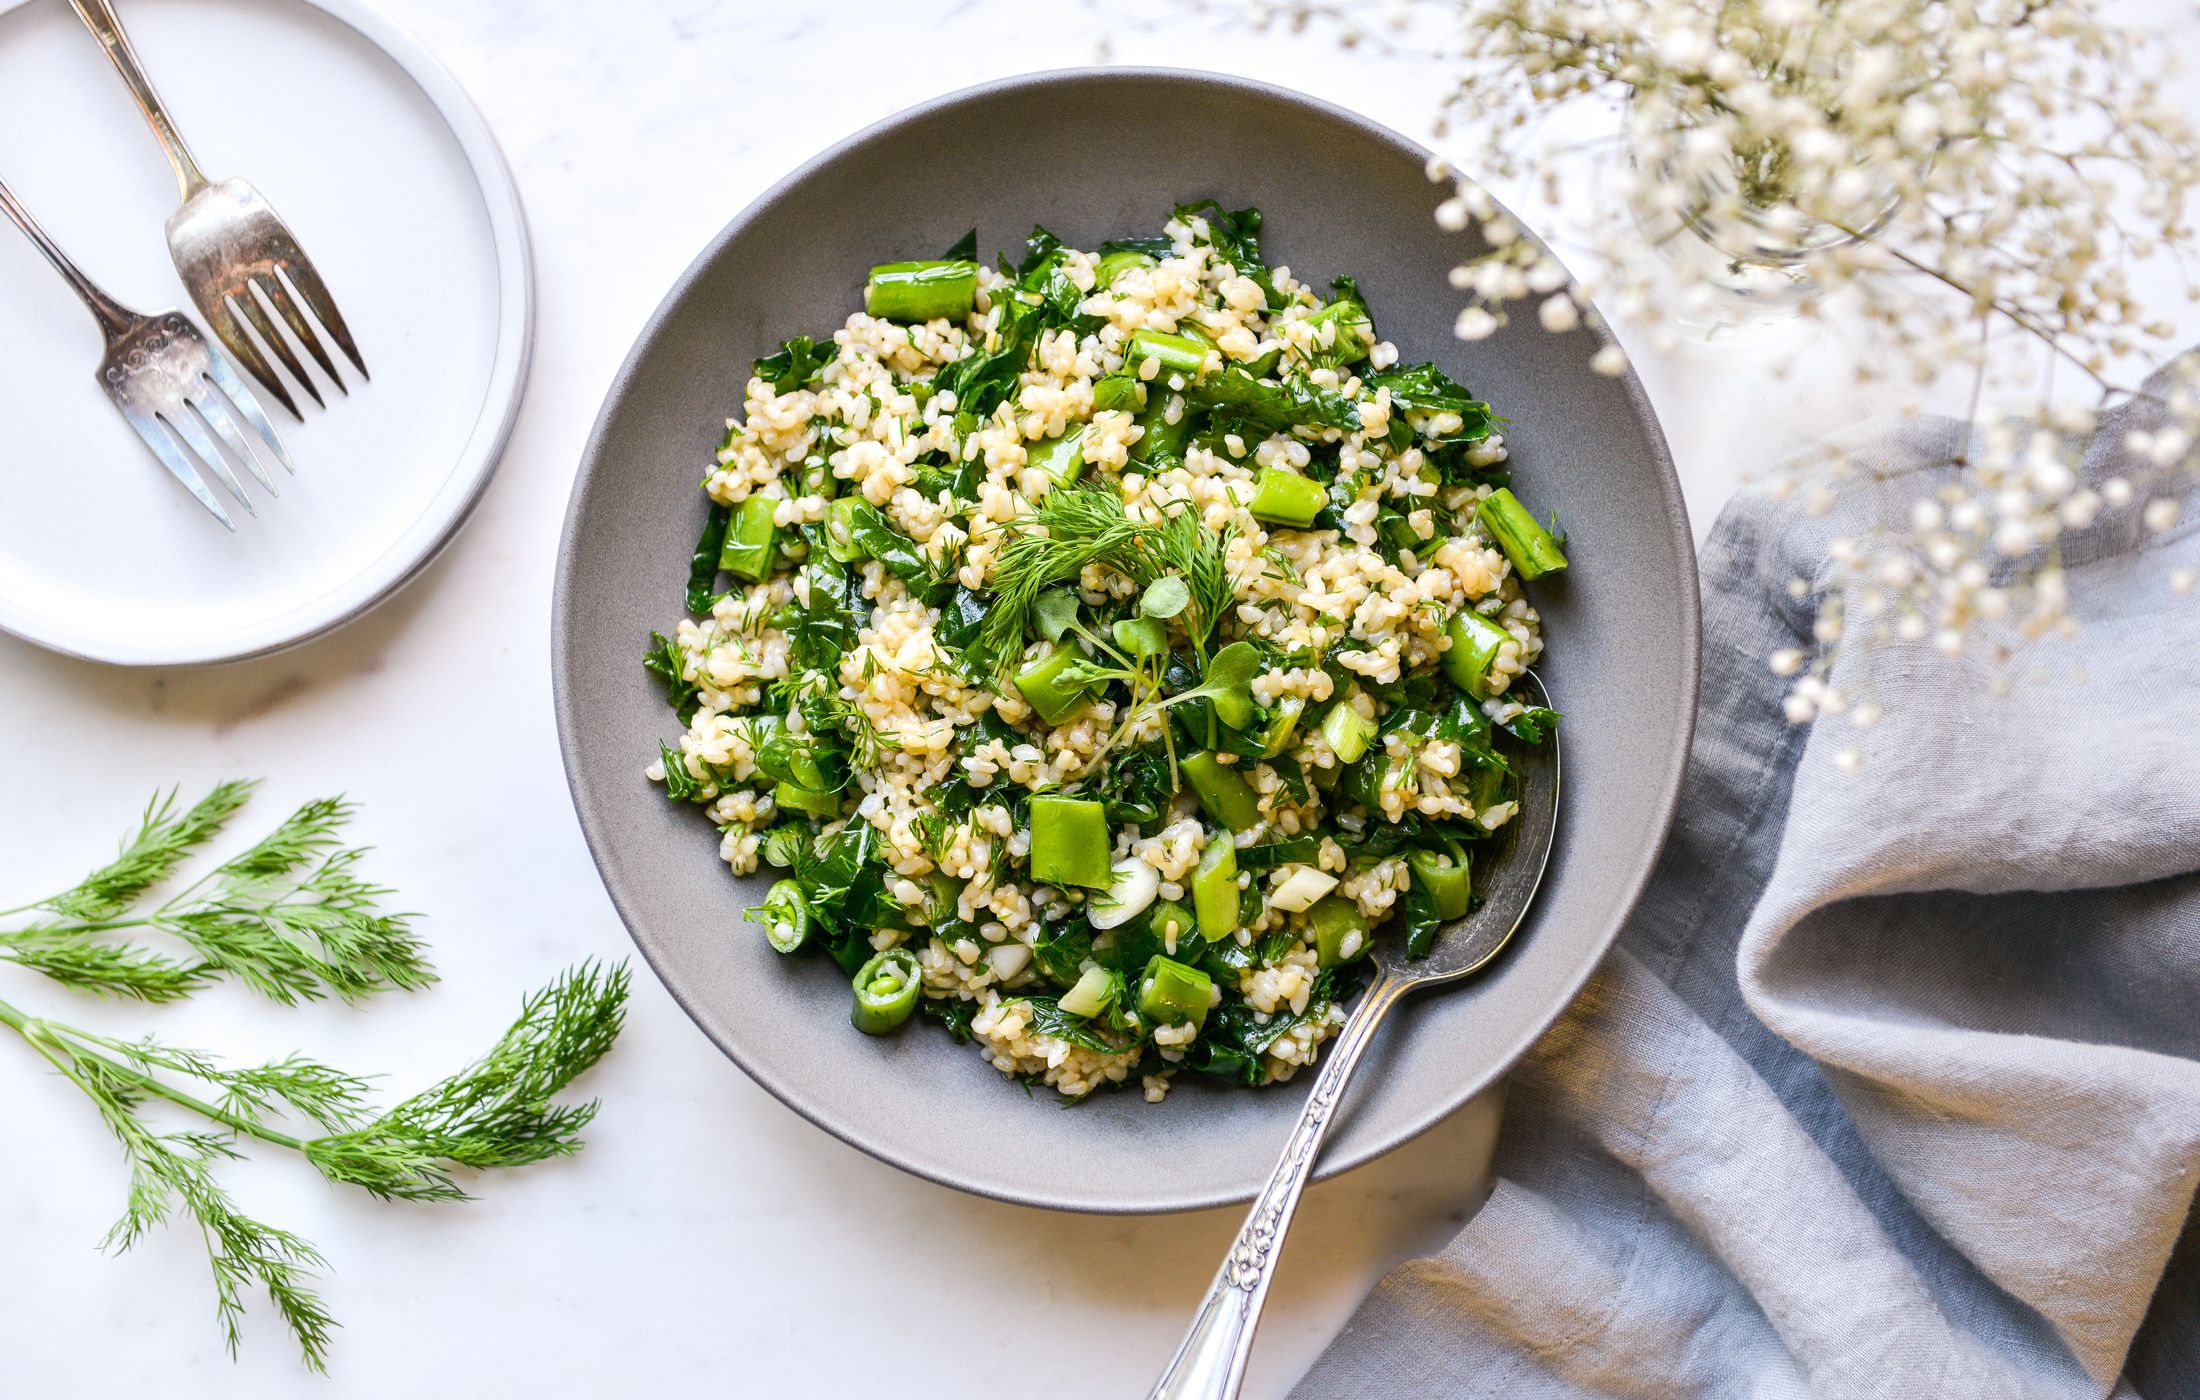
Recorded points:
(291, 919)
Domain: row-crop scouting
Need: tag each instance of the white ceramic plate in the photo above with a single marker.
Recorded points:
(394, 186)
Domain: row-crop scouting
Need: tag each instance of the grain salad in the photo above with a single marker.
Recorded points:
(1108, 647)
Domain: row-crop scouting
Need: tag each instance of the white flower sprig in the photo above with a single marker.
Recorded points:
(1965, 178)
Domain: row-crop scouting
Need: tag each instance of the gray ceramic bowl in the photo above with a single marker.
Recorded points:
(1093, 154)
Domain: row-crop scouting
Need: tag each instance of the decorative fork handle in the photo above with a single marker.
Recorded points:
(99, 16)
(1210, 1363)
(113, 318)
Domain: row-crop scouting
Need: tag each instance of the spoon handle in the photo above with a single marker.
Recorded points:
(1210, 1362)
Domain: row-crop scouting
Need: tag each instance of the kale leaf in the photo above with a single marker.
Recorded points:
(666, 659)
(796, 365)
(1235, 236)
(1048, 1018)
(1533, 725)
(952, 1012)
(702, 583)
(825, 628)
(1273, 407)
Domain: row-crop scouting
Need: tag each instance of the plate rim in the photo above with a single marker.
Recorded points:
(495, 420)
(1335, 1161)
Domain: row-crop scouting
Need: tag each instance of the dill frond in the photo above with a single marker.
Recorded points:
(289, 917)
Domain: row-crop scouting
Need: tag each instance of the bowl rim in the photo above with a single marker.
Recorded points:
(1335, 1161)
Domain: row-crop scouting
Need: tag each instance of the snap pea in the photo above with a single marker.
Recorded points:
(1161, 439)
(1175, 354)
(1174, 994)
(1532, 549)
(751, 542)
(1061, 458)
(1474, 643)
(785, 914)
(1041, 683)
(809, 801)
(1116, 393)
(1449, 881)
(922, 291)
(1225, 794)
(1069, 841)
(1340, 931)
(703, 569)
(1283, 497)
(1115, 264)
(1174, 924)
(1215, 888)
(887, 989)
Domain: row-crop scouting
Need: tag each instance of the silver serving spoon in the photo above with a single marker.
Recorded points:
(1210, 1363)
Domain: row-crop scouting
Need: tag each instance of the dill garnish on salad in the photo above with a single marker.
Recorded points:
(1107, 647)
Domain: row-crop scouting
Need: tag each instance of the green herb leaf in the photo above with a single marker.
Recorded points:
(1165, 597)
(1055, 612)
(796, 365)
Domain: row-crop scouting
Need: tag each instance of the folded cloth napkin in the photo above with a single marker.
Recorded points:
(1892, 1085)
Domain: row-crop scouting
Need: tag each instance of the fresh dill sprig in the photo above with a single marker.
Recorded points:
(290, 918)
(498, 1112)
(1052, 544)
(162, 841)
(1076, 526)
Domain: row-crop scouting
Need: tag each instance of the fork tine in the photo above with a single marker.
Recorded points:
(215, 410)
(184, 424)
(232, 335)
(278, 295)
(232, 388)
(225, 428)
(323, 306)
(179, 466)
(265, 325)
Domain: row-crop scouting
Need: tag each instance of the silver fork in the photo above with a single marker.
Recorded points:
(1210, 1363)
(176, 390)
(231, 249)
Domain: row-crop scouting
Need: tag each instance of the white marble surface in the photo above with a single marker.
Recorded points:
(709, 1242)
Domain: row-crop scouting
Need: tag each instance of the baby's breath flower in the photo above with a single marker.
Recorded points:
(1962, 175)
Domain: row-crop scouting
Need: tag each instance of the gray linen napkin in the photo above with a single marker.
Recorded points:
(1892, 1087)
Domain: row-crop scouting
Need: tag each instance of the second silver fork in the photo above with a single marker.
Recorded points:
(230, 247)
(177, 391)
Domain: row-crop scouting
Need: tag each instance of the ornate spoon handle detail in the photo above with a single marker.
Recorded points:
(1210, 1364)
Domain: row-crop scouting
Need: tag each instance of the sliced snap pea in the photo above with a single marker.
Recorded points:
(1070, 844)
(1175, 354)
(1340, 931)
(1532, 548)
(1062, 458)
(887, 989)
(1174, 994)
(1283, 497)
(1041, 683)
(785, 914)
(751, 539)
(922, 291)
(1225, 794)
(1449, 881)
(1215, 888)
(1474, 643)
(1116, 393)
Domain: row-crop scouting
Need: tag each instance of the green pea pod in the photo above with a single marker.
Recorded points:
(785, 914)
(887, 988)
